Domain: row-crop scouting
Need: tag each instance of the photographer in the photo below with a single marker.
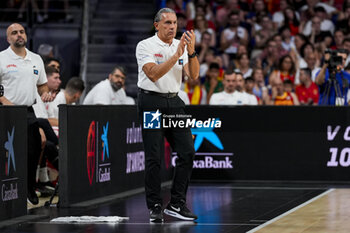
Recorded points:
(332, 80)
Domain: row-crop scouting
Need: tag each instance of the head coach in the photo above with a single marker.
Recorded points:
(161, 61)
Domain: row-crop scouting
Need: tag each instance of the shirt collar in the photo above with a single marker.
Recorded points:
(159, 41)
(15, 56)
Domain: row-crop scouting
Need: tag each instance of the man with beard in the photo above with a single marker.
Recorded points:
(22, 74)
(110, 91)
(226, 97)
(241, 96)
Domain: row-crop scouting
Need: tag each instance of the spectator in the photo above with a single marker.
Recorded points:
(243, 65)
(263, 31)
(312, 64)
(232, 36)
(109, 91)
(249, 85)
(242, 97)
(222, 14)
(339, 37)
(259, 89)
(225, 97)
(285, 71)
(209, 57)
(269, 58)
(322, 24)
(291, 20)
(200, 10)
(70, 95)
(213, 82)
(204, 46)
(281, 97)
(279, 43)
(200, 27)
(278, 16)
(195, 92)
(287, 38)
(307, 91)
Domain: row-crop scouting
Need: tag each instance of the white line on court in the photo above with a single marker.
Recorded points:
(290, 211)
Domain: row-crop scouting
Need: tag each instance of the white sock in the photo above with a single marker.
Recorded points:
(43, 175)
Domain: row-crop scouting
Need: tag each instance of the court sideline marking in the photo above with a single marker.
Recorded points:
(290, 211)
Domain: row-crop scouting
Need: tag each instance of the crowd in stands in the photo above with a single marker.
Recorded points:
(278, 46)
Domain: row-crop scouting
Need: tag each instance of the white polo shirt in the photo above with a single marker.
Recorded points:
(235, 98)
(53, 106)
(223, 98)
(20, 76)
(154, 50)
(104, 94)
(40, 108)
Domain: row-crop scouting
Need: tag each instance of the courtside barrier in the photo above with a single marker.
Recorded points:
(101, 152)
(13, 161)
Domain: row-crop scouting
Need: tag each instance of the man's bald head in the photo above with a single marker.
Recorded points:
(16, 35)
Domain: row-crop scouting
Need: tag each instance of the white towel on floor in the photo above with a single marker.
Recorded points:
(89, 219)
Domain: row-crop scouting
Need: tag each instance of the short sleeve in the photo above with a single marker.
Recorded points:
(42, 74)
(144, 54)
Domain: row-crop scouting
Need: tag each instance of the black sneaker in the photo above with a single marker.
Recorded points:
(156, 214)
(180, 211)
(32, 198)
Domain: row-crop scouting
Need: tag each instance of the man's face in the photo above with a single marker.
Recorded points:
(346, 45)
(117, 80)
(240, 82)
(16, 35)
(343, 55)
(230, 83)
(249, 85)
(234, 20)
(206, 38)
(311, 60)
(302, 76)
(167, 27)
(53, 81)
(76, 97)
(272, 47)
(316, 23)
(338, 38)
(54, 64)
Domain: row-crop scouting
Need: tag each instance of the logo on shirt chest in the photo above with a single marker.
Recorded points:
(36, 72)
(11, 65)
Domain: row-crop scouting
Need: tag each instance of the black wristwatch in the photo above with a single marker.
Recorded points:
(194, 54)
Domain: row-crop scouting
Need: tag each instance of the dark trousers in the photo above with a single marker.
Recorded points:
(50, 151)
(180, 141)
(34, 146)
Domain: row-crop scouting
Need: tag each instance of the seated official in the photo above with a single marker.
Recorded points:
(111, 90)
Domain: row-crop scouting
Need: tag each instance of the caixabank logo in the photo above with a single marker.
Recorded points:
(98, 166)
(216, 158)
(9, 188)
